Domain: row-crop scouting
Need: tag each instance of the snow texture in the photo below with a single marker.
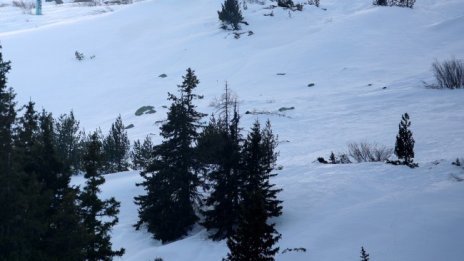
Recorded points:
(351, 51)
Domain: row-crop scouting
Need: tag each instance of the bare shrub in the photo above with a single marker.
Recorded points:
(26, 6)
(448, 74)
(369, 152)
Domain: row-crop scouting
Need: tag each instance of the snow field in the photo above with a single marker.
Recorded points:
(351, 51)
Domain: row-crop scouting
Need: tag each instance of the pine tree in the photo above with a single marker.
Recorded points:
(116, 148)
(332, 158)
(259, 160)
(16, 193)
(255, 238)
(64, 237)
(221, 139)
(404, 147)
(230, 14)
(99, 216)
(364, 255)
(141, 154)
(7, 118)
(26, 139)
(171, 181)
(68, 142)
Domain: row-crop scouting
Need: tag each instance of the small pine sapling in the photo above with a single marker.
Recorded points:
(404, 147)
(364, 255)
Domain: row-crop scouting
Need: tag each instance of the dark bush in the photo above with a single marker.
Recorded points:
(381, 2)
(230, 14)
(322, 160)
(285, 3)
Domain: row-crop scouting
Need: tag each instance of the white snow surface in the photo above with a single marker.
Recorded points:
(350, 51)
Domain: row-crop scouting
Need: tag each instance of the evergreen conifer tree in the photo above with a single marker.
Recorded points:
(68, 139)
(254, 238)
(230, 14)
(364, 255)
(99, 216)
(116, 148)
(332, 158)
(141, 154)
(49, 168)
(171, 180)
(17, 193)
(26, 140)
(64, 237)
(7, 119)
(404, 147)
(221, 139)
(259, 159)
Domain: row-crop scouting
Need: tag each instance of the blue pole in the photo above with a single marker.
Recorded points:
(38, 7)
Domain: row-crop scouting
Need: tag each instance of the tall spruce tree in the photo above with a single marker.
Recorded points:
(230, 14)
(27, 165)
(16, 220)
(116, 148)
(404, 146)
(49, 169)
(26, 140)
(64, 237)
(171, 180)
(221, 143)
(68, 140)
(259, 159)
(7, 119)
(99, 216)
(255, 238)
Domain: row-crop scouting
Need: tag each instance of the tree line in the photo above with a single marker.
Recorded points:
(200, 174)
(44, 217)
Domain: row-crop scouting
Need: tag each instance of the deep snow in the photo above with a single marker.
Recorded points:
(351, 51)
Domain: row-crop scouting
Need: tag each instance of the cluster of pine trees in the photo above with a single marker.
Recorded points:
(233, 170)
(43, 217)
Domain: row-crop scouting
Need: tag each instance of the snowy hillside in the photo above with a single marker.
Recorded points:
(350, 51)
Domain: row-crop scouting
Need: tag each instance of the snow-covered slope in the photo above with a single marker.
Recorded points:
(350, 51)
(394, 212)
